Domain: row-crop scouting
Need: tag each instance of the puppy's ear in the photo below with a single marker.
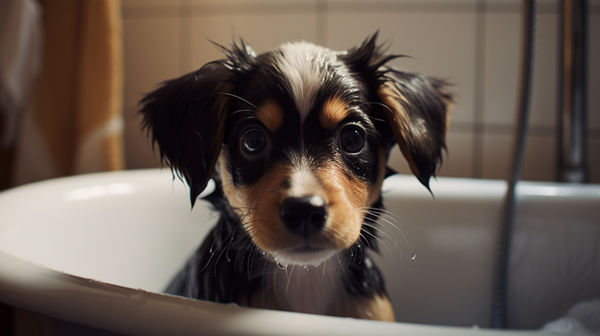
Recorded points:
(416, 107)
(186, 117)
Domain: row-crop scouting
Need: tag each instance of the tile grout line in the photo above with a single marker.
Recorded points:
(156, 11)
(322, 11)
(184, 35)
(479, 99)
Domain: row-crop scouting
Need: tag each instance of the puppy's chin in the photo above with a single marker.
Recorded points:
(302, 256)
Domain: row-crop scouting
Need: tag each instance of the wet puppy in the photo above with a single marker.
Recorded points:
(297, 141)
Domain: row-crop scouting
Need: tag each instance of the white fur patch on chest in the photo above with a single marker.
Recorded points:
(307, 289)
(304, 65)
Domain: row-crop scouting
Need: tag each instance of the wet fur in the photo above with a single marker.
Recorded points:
(198, 121)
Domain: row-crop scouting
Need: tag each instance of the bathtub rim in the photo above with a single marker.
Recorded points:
(20, 286)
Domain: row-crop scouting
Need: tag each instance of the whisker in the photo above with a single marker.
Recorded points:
(388, 218)
(237, 97)
(394, 217)
(240, 111)
(212, 251)
(275, 283)
(378, 213)
(209, 219)
(323, 275)
(393, 239)
(364, 239)
(401, 232)
(219, 257)
(264, 282)
(342, 268)
(381, 242)
(289, 277)
(379, 104)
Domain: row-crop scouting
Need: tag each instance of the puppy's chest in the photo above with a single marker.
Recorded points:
(305, 289)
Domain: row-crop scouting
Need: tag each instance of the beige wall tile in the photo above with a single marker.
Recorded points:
(149, 3)
(440, 36)
(263, 32)
(151, 55)
(538, 164)
(458, 161)
(502, 72)
(594, 73)
(497, 151)
(151, 48)
(544, 96)
(397, 162)
(502, 47)
(233, 3)
(138, 149)
(440, 44)
(594, 160)
(150, 9)
(540, 159)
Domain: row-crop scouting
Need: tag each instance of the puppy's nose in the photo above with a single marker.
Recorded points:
(304, 215)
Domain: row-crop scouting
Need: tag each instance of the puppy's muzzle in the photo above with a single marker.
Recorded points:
(304, 215)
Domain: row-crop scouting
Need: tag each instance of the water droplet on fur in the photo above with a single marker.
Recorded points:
(264, 253)
(305, 267)
(211, 250)
(413, 256)
(280, 266)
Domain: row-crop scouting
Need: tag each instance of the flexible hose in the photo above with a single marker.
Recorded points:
(499, 300)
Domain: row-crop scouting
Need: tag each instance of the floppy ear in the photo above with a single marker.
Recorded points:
(416, 107)
(186, 117)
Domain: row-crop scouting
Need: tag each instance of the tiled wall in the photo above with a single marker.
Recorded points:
(473, 43)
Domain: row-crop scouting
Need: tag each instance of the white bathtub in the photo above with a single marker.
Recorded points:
(95, 251)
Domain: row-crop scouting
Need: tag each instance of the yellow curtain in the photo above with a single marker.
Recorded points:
(76, 123)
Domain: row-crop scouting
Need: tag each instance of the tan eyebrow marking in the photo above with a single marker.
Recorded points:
(270, 115)
(334, 111)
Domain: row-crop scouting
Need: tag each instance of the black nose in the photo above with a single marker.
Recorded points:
(304, 215)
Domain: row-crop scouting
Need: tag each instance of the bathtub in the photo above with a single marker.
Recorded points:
(92, 253)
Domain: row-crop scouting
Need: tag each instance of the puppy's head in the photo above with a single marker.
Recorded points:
(301, 136)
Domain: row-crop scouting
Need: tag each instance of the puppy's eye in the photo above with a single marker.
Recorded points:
(254, 141)
(352, 140)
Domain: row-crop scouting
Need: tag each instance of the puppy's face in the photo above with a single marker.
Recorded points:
(301, 168)
(300, 135)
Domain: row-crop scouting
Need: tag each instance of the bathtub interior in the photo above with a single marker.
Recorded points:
(136, 229)
(554, 261)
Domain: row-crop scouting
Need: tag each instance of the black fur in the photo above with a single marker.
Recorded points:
(227, 266)
(192, 117)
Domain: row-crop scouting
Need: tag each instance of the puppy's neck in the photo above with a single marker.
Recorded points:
(305, 289)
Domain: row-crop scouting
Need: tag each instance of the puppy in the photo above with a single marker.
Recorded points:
(297, 141)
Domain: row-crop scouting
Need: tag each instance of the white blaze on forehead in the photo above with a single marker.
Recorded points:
(304, 64)
(304, 182)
